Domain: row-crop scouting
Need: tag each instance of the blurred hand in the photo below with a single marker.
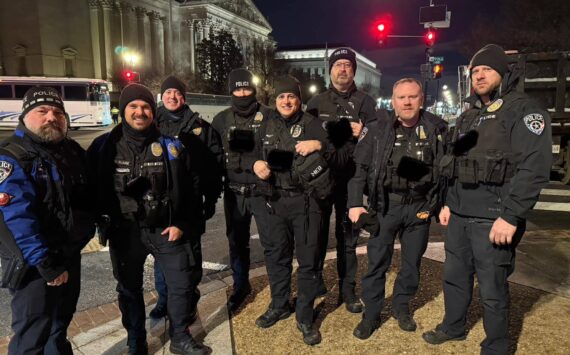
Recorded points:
(444, 216)
(60, 280)
(307, 147)
(355, 212)
(502, 232)
(261, 169)
(356, 128)
(174, 233)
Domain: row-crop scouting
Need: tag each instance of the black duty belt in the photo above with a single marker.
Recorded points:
(405, 199)
(289, 193)
(242, 189)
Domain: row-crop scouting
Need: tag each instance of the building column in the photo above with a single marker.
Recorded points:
(192, 44)
(141, 13)
(167, 48)
(107, 6)
(95, 39)
(154, 17)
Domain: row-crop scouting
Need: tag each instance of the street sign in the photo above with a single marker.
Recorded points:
(436, 60)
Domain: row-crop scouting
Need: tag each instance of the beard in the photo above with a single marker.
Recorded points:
(51, 133)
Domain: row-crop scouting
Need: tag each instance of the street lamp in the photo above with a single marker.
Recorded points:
(255, 80)
(131, 58)
(313, 89)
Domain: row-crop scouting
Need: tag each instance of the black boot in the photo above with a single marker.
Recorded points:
(272, 316)
(352, 303)
(139, 348)
(311, 335)
(188, 346)
(405, 321)
(365, 328)
(238, 296)
(159, 311)
(437, 337)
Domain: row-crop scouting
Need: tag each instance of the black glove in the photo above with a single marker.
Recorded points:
(368, 222)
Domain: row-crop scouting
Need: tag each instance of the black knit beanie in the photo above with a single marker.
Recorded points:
(134, 92)
(493, 56)
(172, 82)
(38, 96)
(240, 78)
(343, 53)
(288, 84)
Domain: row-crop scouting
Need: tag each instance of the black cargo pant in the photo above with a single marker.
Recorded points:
(238, 210)
(41, 314)
(468, 251)
(295, 222)
(346, 239)
(402, 219)
(129, 248)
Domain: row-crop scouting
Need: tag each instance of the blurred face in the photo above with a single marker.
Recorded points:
(241, 92)
(407, 100)
(484, 80)
(173, 99)
(287, 104)
(47, 122)
(342, 74)
(138, 114)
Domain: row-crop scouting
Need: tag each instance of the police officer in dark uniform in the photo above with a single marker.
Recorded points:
(239, 127)
(295, 218)
(395, 158)
(176, 119)
(46, 220)
(148, 193)
(499, 161)
(343, 105)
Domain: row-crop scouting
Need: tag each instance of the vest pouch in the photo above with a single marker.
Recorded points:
(467, 171)
(494, 167)
(120, 182)
(158, 183)
(241, 140)
(157, 210)
(426, 154)
(280, 160)
(232, 161)
(447, 166)
(13, 271)
(314, 175)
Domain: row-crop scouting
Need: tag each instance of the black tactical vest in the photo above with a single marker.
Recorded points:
(241, 137)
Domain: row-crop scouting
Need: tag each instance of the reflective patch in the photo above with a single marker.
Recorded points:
(122, 170)
(420, 132)
(439, 138)
(5, 170)
(351, 105)
(325, 124)
(258, 117)
(5, 199)
(363, 133)
(495, 106)
(156, 149)
(296, 131)
(197, 131)
(173, 150)
(423, 215)
(535, 123)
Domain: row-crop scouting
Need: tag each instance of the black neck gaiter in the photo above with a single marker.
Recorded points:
(138, 140)
(244, 105)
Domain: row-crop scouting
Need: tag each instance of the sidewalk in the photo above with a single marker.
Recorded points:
(540, 294)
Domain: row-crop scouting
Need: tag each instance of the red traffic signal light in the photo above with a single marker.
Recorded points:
(437, 71)
(380, 30)
(429, 38)
(129, 75)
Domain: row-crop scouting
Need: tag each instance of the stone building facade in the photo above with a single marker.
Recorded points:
(85, 38)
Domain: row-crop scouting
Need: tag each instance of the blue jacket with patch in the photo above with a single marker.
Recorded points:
(45, 216)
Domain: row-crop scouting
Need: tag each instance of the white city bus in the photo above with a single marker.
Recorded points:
(86, 100)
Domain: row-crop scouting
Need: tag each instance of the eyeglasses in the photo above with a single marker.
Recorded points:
(338, 65)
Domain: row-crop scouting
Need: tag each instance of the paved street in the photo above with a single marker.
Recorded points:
(540, 256)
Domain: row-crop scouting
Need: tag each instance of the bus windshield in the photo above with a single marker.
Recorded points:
(98, 93)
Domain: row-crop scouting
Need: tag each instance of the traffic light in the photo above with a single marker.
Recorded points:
(429, 38)
(381, 29)
(436, 71)
(129, 75)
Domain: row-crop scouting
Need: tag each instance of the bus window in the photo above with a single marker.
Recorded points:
(98, 93)
(75, 93)
(5, 91)
(21, 90)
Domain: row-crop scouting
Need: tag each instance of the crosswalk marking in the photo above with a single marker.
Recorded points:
(553, 206)
(555, 192)
(215, 266)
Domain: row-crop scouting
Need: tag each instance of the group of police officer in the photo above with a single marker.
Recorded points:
(156, 177)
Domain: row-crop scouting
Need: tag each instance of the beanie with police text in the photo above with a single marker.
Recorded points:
(240, 78)
(288, 84)
(134, 92)
(343, 53)
(172, 82)
(38, 96)
(492, 56)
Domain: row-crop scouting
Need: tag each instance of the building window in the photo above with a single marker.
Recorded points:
(69, 55)
(20, 52)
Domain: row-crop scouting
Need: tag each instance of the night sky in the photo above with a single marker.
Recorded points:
(314, 22)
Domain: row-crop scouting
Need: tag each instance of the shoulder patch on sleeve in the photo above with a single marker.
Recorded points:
(6, 169)
(535, 123)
